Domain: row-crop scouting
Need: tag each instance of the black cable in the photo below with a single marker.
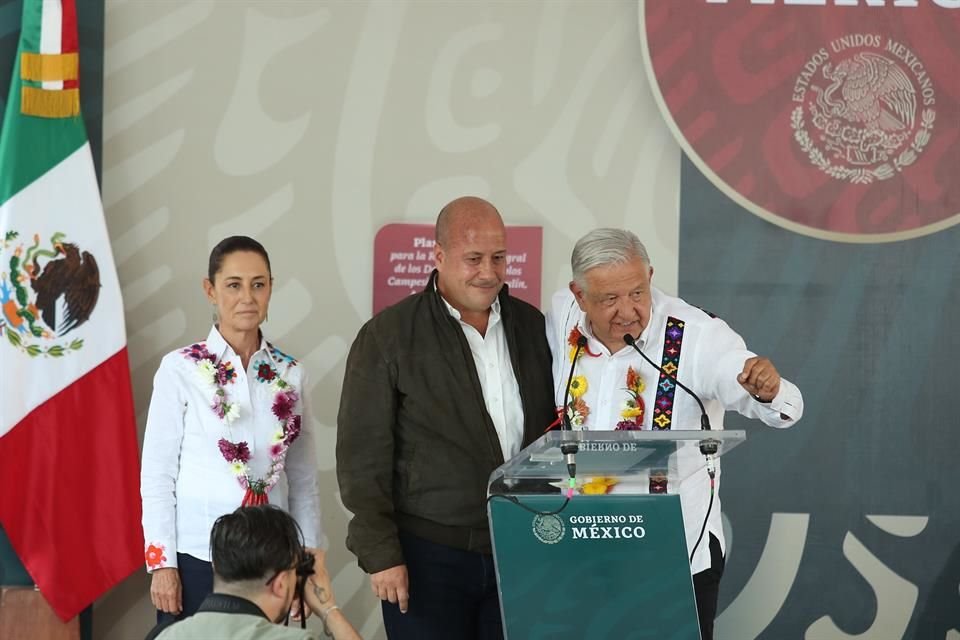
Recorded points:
(517, 502)
(706, 517)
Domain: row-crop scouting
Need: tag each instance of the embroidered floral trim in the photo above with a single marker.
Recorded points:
(265, 371)
(634, 408)
(666, 389)
(572, 340)
(280, 355)
(216, 375)
(154, 556)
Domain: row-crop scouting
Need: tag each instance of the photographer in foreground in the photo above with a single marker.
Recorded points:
(260, 570)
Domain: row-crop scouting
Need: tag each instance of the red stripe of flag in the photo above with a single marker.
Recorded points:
(68, 36)
(71, 482)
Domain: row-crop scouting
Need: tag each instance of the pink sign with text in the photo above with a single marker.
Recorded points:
(403, 262)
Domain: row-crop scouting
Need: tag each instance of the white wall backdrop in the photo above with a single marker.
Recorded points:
(310, 124)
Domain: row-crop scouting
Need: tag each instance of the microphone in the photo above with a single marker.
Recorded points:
(707, 447)
(704, 418)
(581, 343)
(570, 449)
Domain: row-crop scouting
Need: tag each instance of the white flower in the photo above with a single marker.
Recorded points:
(238, 468)
(206, 372)
(232, 412)
(278, 436)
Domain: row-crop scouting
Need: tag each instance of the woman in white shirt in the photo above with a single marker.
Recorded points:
(228, 425)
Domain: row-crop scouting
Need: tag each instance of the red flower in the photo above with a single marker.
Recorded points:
(265, 373)
(197, 352)
(292, 429)
(154, 556)
(574, 337)
(283, 404)
(239, 451)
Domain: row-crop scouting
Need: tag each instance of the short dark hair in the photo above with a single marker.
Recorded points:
(231, 245)
(255, 543)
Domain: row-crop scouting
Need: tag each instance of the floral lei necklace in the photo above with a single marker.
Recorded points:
(577, 409)
(219, 374)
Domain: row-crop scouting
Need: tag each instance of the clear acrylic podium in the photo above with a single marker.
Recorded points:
(612, 562)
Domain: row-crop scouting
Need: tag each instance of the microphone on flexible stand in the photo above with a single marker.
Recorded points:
(709, 446)
(570, 449)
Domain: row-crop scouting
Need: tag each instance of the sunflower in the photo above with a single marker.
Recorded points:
(578, 386)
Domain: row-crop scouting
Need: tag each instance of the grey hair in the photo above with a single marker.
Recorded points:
(602, 247)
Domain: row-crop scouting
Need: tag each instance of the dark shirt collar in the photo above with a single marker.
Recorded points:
(215, 603)
(225, 603)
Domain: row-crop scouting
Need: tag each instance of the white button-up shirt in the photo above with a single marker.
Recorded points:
(186, 483)
(501, 393)
(712, 355)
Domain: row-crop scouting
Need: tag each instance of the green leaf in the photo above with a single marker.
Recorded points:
(13, 338)
(11, 235)
(34, 350)
(76, 344)
(56, 351)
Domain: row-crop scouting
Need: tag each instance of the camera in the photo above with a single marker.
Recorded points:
(304, 569)
(305, 565)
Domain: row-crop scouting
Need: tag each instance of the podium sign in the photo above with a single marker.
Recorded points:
(613, 561)
(604, 567)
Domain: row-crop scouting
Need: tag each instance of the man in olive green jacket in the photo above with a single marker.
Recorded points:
(440, 389)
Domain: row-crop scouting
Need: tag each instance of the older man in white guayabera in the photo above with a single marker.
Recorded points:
(613, 305)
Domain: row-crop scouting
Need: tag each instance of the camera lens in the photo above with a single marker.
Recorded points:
(305, 564)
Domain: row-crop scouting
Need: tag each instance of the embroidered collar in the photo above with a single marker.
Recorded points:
(221, 350)
(598, 347)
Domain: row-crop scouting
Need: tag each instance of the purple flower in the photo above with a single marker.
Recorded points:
(283, 404)
(234, 451)
(628, 425)
(292, 429)
(219, 406)
(197, 352)
(277, 449)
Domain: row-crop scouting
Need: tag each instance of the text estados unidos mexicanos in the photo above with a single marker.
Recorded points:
(598, 529)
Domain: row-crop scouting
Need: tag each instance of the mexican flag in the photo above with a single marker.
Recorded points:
(69, 479)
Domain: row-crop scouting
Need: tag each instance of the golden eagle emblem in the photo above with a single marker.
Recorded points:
(46, 291)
